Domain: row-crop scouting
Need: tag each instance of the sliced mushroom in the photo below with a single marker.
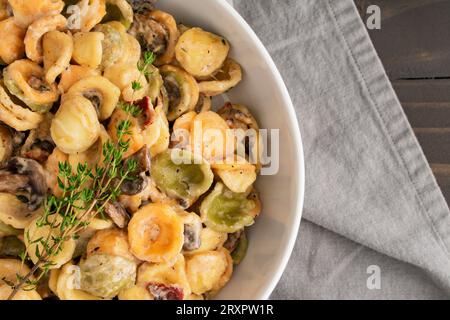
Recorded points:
(6, 144)
(192, 232)
(117, 213)
(24, 177)
(142, 6)
(157, 32)
(140, 180)
(39, 144)
(233, 240)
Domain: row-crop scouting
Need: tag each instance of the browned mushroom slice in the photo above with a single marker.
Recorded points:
(39, 145)
(139, 181)
(24, 177)
(118, 214)
(142, 6)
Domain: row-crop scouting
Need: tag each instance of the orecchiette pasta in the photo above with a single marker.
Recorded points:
(91, 13)
(218, 265)
(73, 74)
(14, 212)
(25, 80)
(52, 169)
(123, 76)
(182, 90)
(88, 49)
(225, 79)
(12, 36)
(9, 269)
(4, 11)
(58, 49)
(155, 233)
(103, 94)
(35, 32)
(119, 10)
(75, 127)
(112, 242)
(201, 53)
(26, 12)
(236, 173)
(35, 232)
(15, 116)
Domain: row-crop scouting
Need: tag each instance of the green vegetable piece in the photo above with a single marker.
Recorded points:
(240, 252)
(11, 247)
(186, 179)
(225, 211)
(104, 275)
(113, 44)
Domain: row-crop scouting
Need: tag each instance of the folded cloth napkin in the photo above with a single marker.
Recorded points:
(377, 225)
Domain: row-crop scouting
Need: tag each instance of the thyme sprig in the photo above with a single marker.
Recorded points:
(85, 193)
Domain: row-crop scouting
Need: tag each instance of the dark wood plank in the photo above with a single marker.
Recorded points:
(414, 39)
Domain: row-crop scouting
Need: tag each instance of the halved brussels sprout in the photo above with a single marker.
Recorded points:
(105, 275)
(113, 44)
(229, 75)
(181, 175)
(157, 32)
(155, 82)
(25, 80)
(12, 36)
(226, 211)
(119, 10)
(239, 253)
(182, 91)
(201, 53)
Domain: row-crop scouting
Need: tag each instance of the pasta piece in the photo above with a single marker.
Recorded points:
(112, 242)
(58, 49)
(75, 127)
(33, 37)
(135, 293)
(26, 12)
(182, 91)
(119, 10)
(68, 284)
(12, 36)
(4, 10)
(225, 79)
(14, 212)
(123, 76)
(210, 136)
(105, 275)
(155, 233)
(93, 156)
(210, 240)
(73, 74)
(53, 280)
(208, 271)
(102, 93)
(15, 116)
(35, 231)
(181, 175)
(226, 211)
(156, 82)
(25, 80)
(201, 53)
(52, 170)
(88, 49)
(9, 269)
(162, 142)
(6, 144)
(91, 13)
(157, 32)
(237, 174)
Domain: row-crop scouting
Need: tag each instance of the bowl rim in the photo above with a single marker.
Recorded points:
(294, 129)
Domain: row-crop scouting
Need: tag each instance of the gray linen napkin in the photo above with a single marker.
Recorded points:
(371, 199)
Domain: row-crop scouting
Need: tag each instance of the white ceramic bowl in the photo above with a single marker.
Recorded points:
(273, 236)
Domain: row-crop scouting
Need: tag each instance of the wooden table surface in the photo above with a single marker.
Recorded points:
(414, 46)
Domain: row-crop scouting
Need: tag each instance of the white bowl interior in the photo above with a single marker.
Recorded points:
(263, 91)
